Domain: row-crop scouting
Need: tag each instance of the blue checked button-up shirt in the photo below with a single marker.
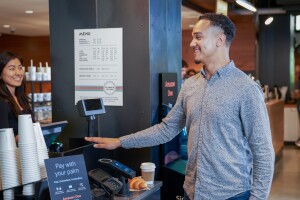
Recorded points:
(229, 139)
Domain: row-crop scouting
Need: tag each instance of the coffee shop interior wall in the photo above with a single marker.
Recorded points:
(36, 48)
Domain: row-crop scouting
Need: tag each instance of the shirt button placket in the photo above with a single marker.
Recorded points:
(201, 135)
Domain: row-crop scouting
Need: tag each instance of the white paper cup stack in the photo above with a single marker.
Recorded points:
(45, 76)
(28, 189)
(8, 194)
(32, 73)
(28, 151)
(48, 71)
(9, 162)
(42, 149)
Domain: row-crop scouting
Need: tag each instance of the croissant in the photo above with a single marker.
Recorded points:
(137, 183)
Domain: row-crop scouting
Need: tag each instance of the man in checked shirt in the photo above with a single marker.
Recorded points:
(230, 152)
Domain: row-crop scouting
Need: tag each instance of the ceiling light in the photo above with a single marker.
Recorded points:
(28, 11)
(268, 20)
(6, 26)
(246, 4)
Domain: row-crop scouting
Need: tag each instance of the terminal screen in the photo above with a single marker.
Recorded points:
(93, 104)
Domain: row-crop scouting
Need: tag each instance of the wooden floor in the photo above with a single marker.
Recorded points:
(286, 181)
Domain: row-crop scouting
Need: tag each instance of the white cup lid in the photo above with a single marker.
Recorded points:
(147, 166)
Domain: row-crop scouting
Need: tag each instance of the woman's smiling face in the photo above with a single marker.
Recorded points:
(12, 73)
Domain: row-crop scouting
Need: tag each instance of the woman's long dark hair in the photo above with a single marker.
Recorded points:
(5, 94)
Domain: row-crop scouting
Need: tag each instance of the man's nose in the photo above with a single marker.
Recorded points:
(192, 44)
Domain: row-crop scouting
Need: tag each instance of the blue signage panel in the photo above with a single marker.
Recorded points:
(67, 178)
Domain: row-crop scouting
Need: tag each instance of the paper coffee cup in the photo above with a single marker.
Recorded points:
(27, 76)
(48, 71)
(38, 76)
(32, 73)
(148, 172)
(35, 97)
(7, 139)
(25, 129)
(40, 97)
(45, 76)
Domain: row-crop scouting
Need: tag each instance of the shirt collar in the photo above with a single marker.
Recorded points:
(221, 71)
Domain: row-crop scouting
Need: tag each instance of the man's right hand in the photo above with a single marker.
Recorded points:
(104, 143)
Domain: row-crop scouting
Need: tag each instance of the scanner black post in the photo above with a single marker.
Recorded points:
(90, 108)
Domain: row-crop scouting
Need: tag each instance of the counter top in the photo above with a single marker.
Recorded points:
(274, 101)
(275, 111)
(290, 106)
(139, 195)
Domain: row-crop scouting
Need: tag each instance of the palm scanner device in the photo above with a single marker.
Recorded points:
(90, 108)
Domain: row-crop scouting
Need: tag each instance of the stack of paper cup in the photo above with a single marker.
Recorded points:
(8, 162)
(41, 68)
(45, 76)
(39, 76)
(9, 194)
(48, 72)
(42, 149)
(28, 153)
(27, 76)
(32, 73)
(39, 73)
(28, 189)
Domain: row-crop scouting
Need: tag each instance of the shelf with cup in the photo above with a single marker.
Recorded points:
(38, 82)
(41, 103)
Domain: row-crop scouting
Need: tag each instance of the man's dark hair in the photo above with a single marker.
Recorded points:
(223, 22)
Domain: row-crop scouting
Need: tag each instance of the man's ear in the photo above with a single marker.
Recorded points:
(221, 40)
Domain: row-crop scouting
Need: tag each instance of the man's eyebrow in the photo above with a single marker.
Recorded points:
(197, 33)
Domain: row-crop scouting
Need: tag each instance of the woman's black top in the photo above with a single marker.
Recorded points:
(7, 117)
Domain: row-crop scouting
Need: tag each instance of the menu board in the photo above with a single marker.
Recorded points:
(99, 65)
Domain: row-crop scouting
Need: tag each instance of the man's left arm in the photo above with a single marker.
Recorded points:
(256, 125)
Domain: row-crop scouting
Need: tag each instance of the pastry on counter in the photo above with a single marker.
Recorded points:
(137, 183)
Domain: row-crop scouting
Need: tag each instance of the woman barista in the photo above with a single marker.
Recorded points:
(13, 100)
